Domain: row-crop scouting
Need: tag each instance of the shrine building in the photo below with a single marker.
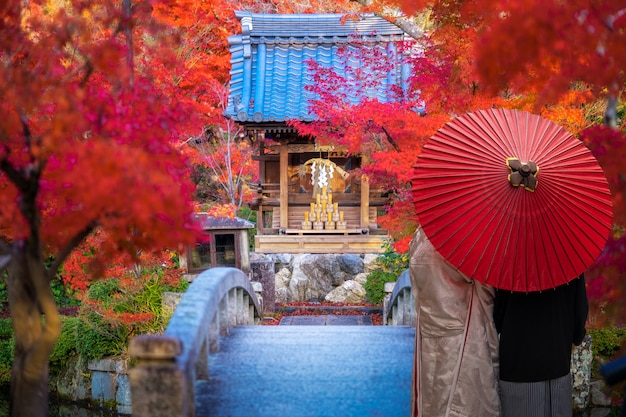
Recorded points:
(310, 200)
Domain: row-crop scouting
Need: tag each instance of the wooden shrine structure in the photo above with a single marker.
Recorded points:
(309, 198)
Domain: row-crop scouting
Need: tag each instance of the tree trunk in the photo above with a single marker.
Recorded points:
(36, 325)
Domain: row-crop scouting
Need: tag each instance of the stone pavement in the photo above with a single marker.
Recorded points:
(327, 320)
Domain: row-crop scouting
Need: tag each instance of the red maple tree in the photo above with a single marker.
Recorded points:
(87, 140)
(222, 156)
(388, 134)
(564, 61)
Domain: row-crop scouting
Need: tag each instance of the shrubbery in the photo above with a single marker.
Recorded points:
(375, 285)
(111, 312)
(6, 352)
(116, 309)
(607, 341)
(392, 264)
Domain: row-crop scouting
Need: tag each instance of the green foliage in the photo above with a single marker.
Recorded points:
(95, 339)
(392, 261)
(375, 285)
(391, 265)
(116, 309)
(7, 346)
(66, 345)
(607, 341)
(6, 328)
(63, 295)
(97, 331)
(104, 290)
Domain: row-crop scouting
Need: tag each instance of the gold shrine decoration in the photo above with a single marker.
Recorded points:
(323, 213)
(322, 171)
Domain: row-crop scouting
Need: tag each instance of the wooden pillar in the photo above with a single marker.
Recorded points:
(260, 218)
(284, 186)
(260, 227)
(365, 202)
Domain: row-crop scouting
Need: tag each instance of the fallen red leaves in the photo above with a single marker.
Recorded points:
(324, 303)
(322, 309)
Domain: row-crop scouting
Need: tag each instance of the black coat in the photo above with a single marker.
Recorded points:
(537, 330)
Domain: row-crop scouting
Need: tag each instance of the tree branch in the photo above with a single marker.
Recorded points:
(25, 129)
(390, 139)
(19, 177)
(610, 115)
(64, 253)
(15, 176)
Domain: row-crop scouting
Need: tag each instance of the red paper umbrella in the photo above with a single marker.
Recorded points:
(512, 200)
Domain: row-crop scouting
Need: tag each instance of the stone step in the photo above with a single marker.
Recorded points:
(327, 320)
(310, 371)
(330, 309)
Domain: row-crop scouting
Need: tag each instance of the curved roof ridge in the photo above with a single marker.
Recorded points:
(315, 24)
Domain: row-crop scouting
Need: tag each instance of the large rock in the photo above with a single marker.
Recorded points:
(299, 284)
(310, 277)
(325, 269)
(283, 295)
(370, 262)
(351, 264)
(282, 279)
(349, 292)
(283, 260)
(361, 278)
(314, 276)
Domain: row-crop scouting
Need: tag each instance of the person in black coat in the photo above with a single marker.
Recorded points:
(537, 331)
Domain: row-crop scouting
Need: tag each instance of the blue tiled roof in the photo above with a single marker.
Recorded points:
(269, 71)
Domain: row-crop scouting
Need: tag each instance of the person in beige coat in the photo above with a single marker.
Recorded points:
(455, 369)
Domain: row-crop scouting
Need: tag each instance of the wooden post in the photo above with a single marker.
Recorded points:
(365, 202)
(260, 218)
(284, 186)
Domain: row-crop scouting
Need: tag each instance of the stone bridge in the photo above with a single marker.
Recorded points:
(213, 359)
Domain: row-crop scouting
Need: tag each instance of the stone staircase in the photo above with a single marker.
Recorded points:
(309, 371)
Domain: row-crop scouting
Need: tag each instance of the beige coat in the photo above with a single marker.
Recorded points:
(456, 348)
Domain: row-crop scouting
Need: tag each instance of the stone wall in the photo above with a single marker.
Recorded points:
(103, 383)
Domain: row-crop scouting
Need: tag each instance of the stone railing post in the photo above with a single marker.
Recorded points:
(258, 290)
(263, 271)
(163, 379)
(388, 288)
(158, 387)
(399, 306)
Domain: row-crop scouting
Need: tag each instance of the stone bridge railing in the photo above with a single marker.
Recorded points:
(399, 307)
(167, 366)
